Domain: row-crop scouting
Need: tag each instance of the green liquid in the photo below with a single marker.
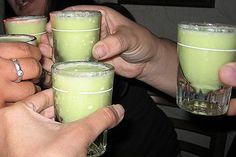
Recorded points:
(31, 25)
(200, 67)
(75, 34)
(81, 89)
(72, 46)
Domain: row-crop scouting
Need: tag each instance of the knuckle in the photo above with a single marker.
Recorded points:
(31, 89)
(36, 67)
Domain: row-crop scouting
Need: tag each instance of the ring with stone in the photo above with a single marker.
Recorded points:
(19, 71)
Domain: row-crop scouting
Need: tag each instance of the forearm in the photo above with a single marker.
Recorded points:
(161, 71)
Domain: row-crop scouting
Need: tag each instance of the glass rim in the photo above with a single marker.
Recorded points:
(30, 38)
(207, 27)
(28, 18)
(75, 13)
(106, 68)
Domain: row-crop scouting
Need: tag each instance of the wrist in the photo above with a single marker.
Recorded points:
(161, 70)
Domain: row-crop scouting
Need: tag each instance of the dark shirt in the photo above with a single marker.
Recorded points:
(145, 131)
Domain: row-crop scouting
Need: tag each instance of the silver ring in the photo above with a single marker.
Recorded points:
(19, 71)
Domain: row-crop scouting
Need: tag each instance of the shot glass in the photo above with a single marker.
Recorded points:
(80, 88)
(74, 34)
(202, 49)
(31, 25)
(18, 38)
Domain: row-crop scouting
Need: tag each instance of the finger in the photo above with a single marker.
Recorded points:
(49, 27)
(50, 38)
(110, 116)
(99, 121)
(31, 68)
(19, 91)
(46, 50)
(47, 63)
(19, 50)
(41, 101)
(47, 39)
(227, 74)
(232, 108)
(44, 39)
(114, 45)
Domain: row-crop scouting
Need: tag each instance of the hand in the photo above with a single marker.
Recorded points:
(134, 51)
(227, 75)
(24, 132)
(28, 57)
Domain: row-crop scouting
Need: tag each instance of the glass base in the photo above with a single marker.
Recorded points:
(203, 108)
(211, 103)
(98, 147)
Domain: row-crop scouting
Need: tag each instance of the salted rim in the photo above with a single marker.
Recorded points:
(76, 13)
(208, 27)
(58, 68)
(31, 18)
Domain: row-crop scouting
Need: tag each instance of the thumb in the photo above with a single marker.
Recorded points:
(114, 44)
(93, 125)
(227, 74)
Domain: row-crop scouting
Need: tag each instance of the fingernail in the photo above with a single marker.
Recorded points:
(100, 52)
(228, 74)
(119, 111)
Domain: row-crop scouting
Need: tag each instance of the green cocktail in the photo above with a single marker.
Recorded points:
(18, 38)
(202, 49)
(31, 25)
(80, 88)
(74, 34)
